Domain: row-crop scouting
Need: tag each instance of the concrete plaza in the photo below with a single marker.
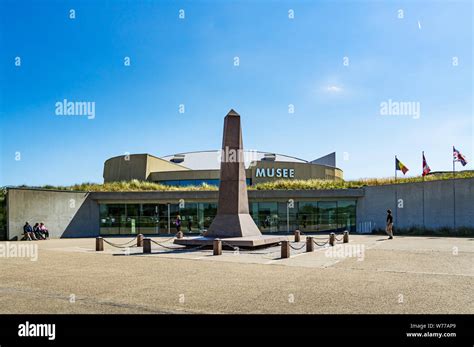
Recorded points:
(403, 275)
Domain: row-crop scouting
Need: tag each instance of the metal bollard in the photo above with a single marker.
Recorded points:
(217, 247)
(99, 244)
(297, 236)
(346, 237)
(147, 245)
(332, 239)
(179, 235)
(285, 249)
(140, 240)
(309, 244)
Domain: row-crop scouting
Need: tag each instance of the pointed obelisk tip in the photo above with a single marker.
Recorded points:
(232, 113)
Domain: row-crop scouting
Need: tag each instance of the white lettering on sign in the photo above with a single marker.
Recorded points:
(272, 172)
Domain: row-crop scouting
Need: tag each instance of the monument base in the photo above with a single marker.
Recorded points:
(233, 225)
(244, 242)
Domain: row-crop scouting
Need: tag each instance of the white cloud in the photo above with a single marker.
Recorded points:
(333, 89)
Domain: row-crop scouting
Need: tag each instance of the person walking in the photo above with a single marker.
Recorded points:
(177, 222)
(389, 227)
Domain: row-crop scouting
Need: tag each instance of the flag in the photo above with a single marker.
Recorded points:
(457, 156)
(426, 168)
(399, 166)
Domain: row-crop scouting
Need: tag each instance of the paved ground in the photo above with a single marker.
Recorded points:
(404, 275)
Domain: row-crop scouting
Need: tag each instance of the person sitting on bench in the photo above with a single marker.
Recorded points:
(37, 232)
(44, 231)
(28, 232)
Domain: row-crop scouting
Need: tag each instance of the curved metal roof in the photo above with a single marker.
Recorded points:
(210, 160)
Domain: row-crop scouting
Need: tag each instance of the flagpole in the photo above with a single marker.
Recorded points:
(423, 185)
(395, 169)
(454, 192)
(396, 194)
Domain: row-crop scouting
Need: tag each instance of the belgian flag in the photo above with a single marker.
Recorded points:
(399, 166)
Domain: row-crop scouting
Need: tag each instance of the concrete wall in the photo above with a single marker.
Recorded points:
(65, 214)
(437, 211)
(184, 175)
(136, 166)
(81, 219)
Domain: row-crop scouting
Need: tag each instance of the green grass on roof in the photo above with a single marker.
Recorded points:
(283, 184)
(340, 184)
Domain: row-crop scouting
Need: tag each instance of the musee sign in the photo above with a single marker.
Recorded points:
(272, 172)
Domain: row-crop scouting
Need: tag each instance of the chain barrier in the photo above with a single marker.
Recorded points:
(171, 238)
(320, 245)
(161, 245)
(178, 248)
(126, 244)
(318, 238)
(338, 239)
(321, 239)
(297, 248)
(250, 251)
(120, 246)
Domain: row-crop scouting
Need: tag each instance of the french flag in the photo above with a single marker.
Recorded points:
(426, 168)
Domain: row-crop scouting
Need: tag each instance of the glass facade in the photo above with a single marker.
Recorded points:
(185, 183)
(270, 217)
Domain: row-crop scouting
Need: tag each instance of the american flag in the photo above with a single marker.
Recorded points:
(457, 156)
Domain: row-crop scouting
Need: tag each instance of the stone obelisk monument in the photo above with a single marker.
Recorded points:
(233, 221)
(233, 218)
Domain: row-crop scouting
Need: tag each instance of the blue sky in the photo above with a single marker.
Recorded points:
(191, 61)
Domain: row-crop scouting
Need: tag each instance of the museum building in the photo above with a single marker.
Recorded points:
(197, 168)
(203, 167)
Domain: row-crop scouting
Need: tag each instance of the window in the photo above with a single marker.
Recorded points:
(189, 217)
(208, 182)
(206, 214)
(346, 215)
(287, 215)
(198, 182)
(270, 216)
(327, 220)
(148, 220)
(308, 216)
(110, 217)
(268, 219)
